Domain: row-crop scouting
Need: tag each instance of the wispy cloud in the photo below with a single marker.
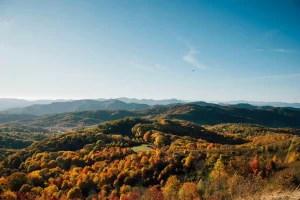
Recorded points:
(278, 50)
(283, 50)
(190, 57)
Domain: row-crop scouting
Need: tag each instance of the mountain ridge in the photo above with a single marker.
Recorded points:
(199, 112)
(78, 105)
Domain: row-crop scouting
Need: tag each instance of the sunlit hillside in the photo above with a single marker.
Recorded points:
(135, 158)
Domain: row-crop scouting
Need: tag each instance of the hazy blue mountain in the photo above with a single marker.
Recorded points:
(198, 112)
(7, 103)
(78, 105)
(151, 101)
(259, 103)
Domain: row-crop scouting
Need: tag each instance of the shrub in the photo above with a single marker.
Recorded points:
(74, 193)
(25, 188)
(16, 180)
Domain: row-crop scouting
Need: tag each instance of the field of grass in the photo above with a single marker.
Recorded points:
(143, 148)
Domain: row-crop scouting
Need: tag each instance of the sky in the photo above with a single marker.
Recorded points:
(193, 50)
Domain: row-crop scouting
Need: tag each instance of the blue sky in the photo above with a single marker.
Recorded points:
(239, 50)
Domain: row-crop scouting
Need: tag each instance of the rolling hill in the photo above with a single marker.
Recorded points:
(78, 119)
(8, 103)
(14, 117)
(151, 102)
(146, 158)
(211, 114)
(78, 105)
(198, 112)
(260, 103)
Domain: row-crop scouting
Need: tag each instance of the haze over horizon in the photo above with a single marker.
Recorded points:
(183, 100)
(200, 50)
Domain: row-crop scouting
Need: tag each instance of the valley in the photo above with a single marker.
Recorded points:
(200, 150)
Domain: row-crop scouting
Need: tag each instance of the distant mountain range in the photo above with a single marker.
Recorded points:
(259, 103)
(201, 113)
(151, 102)
(78, 105)
(7, 103)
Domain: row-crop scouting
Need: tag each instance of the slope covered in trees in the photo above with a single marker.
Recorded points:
(215, 114)
(78, 105)
(200, 112)
(185, 161)
(78, 119)
(13, 138)
(15, 117)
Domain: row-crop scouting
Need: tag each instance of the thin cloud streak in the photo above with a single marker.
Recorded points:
(279, 50)
(190, 58)
(282, 50)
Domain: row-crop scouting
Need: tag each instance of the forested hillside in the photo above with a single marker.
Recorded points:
(78, 119)
(201, 113)
(78, 105)
(13, 138)
(209, 114)
(14, 117)
(134, 158)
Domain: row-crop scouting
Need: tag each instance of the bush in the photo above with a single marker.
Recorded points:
(16, 180)
(25, 188)
(287, 180)
(8, 195)
(74, 193)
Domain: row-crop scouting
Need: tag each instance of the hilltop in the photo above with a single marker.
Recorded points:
(198, 112)
(78, 105)
(137, 158)
(15, 117)
(8, 103)
(210, 114)
(77, 119)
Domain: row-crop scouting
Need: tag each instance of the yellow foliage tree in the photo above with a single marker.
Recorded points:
(188, 191)
(189, 161)
(159, 141)
(292, 157)
(171, 188)
(218, 175)
(50, 191)
(8, 195)
(74, 193)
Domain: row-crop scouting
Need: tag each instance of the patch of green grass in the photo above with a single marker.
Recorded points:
(143, 147)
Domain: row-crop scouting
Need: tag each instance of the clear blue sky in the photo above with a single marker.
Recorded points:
(239, 50)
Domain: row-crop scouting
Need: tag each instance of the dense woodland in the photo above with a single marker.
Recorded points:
(13, 138)
(138, 158)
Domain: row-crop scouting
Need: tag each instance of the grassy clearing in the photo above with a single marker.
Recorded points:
(284, 195)
(143, 147)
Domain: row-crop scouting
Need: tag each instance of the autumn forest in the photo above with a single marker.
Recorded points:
(151, 155)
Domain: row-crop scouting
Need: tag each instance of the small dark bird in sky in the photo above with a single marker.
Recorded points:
(193, 70)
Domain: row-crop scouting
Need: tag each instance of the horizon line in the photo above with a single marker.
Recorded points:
(185, 100)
